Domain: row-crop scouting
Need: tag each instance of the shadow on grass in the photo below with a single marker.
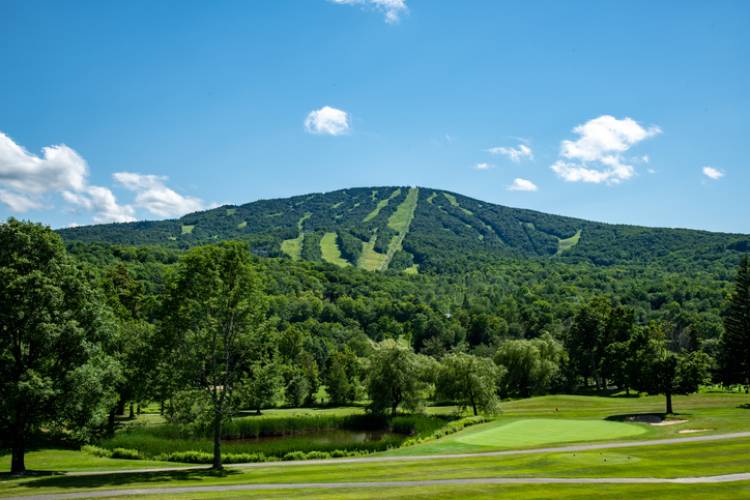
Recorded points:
(56, 480)
(746, 406)
(644, 418)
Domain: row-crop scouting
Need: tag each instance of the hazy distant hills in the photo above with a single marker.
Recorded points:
(417, 229)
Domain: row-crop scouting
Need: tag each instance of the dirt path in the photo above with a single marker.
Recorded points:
(394, 484)
(415, 458)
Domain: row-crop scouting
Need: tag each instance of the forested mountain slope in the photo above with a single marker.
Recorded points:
(420, 229)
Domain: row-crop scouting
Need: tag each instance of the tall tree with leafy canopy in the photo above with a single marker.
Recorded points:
(213, 306)
(394, 377)
(470, 381)
(735, 342)
(53, 329)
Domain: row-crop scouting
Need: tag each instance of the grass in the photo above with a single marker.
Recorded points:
(720, 413)
(369, 259)
(400, 221)
(381, 205)
(431, 197)
(452, 200)
(412, 270)
(542, 431)
(231, 211)
(563, 245)
(293, 247)
(664, 461)
(330, 252)
(242, 225)
(187, 229)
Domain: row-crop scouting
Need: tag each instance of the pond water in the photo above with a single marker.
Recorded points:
(325, 437)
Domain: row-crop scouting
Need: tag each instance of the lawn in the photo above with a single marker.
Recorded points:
(530, 432)
(330, 252)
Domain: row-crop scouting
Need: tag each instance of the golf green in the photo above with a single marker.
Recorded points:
(539, 431)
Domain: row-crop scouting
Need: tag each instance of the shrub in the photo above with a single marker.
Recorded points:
(294, 455)
(188, 457)
(126, 453)
(317, 455)
(96, 451)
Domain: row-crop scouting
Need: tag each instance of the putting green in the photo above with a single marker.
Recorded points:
(538, 431)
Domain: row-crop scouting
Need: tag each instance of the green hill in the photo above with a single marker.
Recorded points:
(419, 230)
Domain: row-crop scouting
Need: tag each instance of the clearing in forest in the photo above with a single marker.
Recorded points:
(563, 245)
(329, 250)
(381, 205)
(293, 247)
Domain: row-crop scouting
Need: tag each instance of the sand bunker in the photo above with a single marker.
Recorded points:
(692, 431)
(669, 422)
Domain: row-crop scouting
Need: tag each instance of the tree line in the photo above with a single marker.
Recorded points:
(214, 330)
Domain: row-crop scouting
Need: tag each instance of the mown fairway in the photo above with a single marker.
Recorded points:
(528, 423)
(541, 431)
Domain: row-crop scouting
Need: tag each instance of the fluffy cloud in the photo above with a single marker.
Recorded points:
(153, 195)
(597, 155)
(521, 152)
(483, 166)
(29, 180)
(392, 9)
(59, 167)
(28, 177)
(327, 121)
(18, 202)
(102, 202)
(713, 173)
(522, 185)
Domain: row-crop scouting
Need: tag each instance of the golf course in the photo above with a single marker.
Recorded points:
(561, 446)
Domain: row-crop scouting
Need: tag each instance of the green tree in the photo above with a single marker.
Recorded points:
(394, 378)
(213, 307)
(470, 381)
(735, 342)
(529, 366)
(53, 368)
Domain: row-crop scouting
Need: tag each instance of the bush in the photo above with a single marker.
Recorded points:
(294, 455)
(126, 453)
(188, 457)
(96, 451)
(317, 455)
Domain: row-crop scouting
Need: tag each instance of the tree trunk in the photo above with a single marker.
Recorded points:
(132, 411)
(217, 442)
(111, 422)
(627, 390)
(18, 464)
(161, 407)
(473, 405)
(669, 403)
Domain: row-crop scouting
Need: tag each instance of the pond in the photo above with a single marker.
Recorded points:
(325, 437)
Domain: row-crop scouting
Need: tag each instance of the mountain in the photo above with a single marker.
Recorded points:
(419, 230)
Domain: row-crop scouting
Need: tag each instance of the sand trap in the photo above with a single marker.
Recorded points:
(668, 422)
(692, 431)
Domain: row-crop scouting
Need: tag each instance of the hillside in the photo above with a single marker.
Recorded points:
(417, 229)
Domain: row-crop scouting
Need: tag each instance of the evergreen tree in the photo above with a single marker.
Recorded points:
(735, 345)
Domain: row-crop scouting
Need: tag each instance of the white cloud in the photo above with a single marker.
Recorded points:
(597, 155)
(392, 9)
(102, 202)
(153, 195)
(28, 180)
(59, 167)
(483, 166)
(522, 185)
(18, 202)
(328, 121)
(713, 173)
(521, 152)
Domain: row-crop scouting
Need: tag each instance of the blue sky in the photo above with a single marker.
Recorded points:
(604, 110)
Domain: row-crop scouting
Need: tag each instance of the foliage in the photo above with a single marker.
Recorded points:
(470, 380)
(54, 331)
(393, 378)
(735, 343)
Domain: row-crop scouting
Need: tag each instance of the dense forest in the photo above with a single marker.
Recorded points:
(473, 303)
